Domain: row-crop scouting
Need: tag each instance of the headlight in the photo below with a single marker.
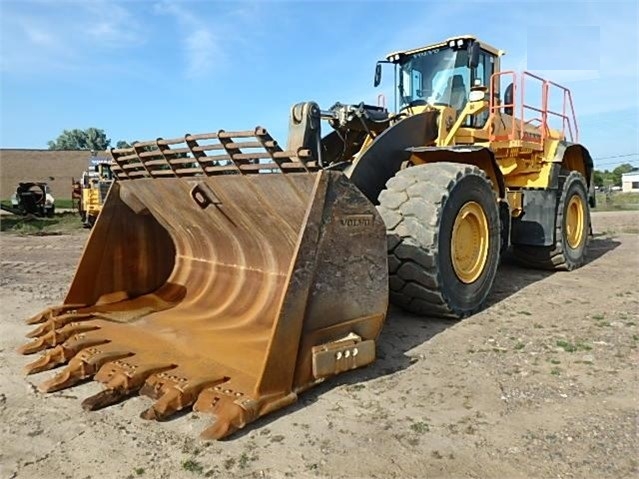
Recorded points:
(476, 95)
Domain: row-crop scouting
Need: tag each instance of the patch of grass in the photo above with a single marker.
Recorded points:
(525, 313)
(538, 326)
(635, 337)
(139, 471)
(616, 201)
(420, 427)
(519, 346)
(193, 466)
(566, 346)
(229, 463)
(571, 348)
(555, 371)
(583, 346)
(598, 317)
(555, 361)
(243, 461)
(28, 225)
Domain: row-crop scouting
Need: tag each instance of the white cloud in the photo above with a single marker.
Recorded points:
(202, 46)
(206, 37)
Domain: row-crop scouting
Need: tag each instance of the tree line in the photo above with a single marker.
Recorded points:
(89, 139)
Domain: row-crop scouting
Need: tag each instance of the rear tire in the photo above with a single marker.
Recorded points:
(443, 233)
(572, 226)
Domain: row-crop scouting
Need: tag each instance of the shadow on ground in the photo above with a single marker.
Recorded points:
(404, 331)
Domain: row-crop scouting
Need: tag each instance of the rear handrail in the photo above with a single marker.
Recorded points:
(243, 152)
(568, 118)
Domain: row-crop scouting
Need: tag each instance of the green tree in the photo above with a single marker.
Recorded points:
(122, 144)
(89, 139)
(598, 178)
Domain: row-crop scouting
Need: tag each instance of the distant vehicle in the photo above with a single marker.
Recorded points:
(32, 198)
(91, 191)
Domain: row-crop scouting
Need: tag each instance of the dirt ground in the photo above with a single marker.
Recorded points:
(543, 384)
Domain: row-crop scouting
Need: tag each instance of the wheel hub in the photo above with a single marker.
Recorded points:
(575, 222)
(469, 242)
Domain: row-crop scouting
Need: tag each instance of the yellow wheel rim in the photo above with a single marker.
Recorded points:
(575, 221)
(469, 242)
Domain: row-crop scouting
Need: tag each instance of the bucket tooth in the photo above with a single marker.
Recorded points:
(56, 322)
(122, 379)
(84, 365)
(53, 338)
(232, 408)
(53, 311)
(62, 353)
(173, 393)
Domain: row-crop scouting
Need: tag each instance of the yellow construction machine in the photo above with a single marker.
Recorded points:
(92, 189)
(228, 274)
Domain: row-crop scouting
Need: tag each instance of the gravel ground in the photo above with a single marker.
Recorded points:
(542, 383)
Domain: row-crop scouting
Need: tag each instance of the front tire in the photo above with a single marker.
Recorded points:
(444, 240)
(572, 227)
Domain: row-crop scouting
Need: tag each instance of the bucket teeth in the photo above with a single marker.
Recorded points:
(232, 410)
(57, 322)
(173, 393)
(52, 312)
(84, 365)
(62, 353)
(122, 379)
(53, 338)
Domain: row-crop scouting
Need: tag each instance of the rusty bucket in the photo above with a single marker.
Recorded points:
(227, 293)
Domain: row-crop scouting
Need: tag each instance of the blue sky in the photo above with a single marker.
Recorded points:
(143, 69)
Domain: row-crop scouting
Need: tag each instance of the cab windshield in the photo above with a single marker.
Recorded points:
(437, 77)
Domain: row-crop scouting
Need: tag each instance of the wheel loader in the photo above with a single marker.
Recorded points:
(93, 189)
(228, 273)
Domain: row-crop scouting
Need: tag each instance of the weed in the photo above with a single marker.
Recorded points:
(229, 463)
(598, 317)
(243, 461)
(555, 361)
(525, 313)
(192, 465)
(635, 337)
(583, 346)
(538, 326)
(421, 427)
(555, 371)
(520, 346)
(630, 323)
(566, 346)
(139, 471)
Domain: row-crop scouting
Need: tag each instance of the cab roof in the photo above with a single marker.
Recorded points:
(444, 43)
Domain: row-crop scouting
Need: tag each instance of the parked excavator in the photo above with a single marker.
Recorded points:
(228, 274)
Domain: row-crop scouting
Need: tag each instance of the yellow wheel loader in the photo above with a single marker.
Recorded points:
(228, 274)
(94, 187)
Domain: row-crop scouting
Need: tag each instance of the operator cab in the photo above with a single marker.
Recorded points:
(442, 74)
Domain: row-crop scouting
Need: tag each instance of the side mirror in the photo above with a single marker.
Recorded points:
(509, 100)
(473, 55)
(378, 75)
